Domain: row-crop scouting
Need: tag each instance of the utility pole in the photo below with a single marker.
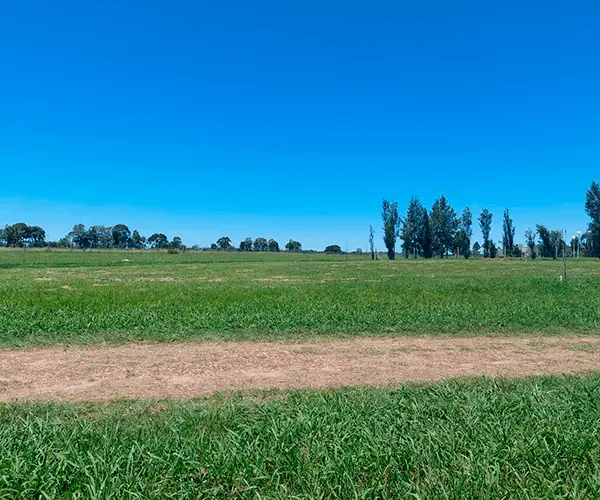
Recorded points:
(346, 249)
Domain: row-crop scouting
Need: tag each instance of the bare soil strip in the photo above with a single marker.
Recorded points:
(196, 369)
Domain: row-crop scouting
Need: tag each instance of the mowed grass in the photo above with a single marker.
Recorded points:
(531, 438)
(88, 297)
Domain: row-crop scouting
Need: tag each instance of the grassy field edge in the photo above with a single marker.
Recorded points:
(538, 436)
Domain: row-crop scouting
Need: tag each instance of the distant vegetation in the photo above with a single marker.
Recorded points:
(20, 235)
(441, 232)
(438, 232)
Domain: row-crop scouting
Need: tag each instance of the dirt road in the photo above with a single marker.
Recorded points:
(194, 369)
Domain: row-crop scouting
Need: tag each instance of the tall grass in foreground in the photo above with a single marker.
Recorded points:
(535, 437)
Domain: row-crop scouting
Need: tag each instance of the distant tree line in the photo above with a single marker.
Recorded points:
(441, 232)
(257, 245)
(20, 235)
(437, 232)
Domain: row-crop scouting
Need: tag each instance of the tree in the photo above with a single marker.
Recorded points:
(530, 242)
(476, 249)
(443, 226)
(508, 235)
(426, 238)
(372, 242)
(121, 235)
(158, 241)
(100, 237)
(466, 226)
(585, 244)
(550, 241)
(16, 234)
(333, 249)
(517, 252)
(273, 246)
(545, 246)
(36, 236)
(79, 236)
(391, 226)
(293, 246)
(485, 223)
(592, 209)
(246, 245)
(224, 243)
(92, 237)
(493, 249)
(460, 241)
(261, 245)
(138, 241)
(411, 229)
(177, 243)
(556, 241)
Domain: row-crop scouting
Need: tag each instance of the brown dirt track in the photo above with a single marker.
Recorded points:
(190, 370)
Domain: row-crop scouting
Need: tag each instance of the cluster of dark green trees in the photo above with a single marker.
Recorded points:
(120, 236)
(258, 245)
(22, 235)
(440, 232)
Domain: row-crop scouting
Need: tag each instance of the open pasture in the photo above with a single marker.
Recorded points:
(90, 297)
(488, 438)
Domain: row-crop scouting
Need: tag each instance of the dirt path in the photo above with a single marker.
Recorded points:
(189, 370)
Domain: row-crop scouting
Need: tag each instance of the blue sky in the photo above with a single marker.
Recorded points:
(294, 119)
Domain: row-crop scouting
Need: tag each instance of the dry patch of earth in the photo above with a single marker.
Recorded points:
(193, 369)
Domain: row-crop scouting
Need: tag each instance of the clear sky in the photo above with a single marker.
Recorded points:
(293, 119)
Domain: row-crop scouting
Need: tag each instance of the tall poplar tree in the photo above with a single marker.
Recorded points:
(485, 223)
(508, 235)
(391, 226)
(411, 229)
(462, 243)
(443, 226)
(592, 208)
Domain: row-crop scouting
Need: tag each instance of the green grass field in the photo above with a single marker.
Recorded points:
(90, 297)
(479, 438)
(533, 438)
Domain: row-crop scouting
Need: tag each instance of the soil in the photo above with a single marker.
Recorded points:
(189, 370)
